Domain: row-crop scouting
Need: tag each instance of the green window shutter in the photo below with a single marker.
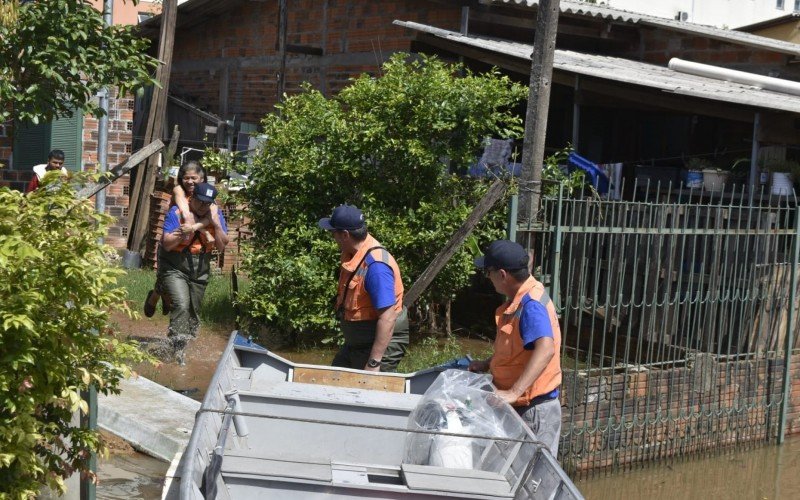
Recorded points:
(31, 145)
(67, 135)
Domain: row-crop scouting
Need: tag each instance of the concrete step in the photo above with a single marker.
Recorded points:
(152, 418)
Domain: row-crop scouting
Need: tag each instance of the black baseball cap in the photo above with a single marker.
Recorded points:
(344, 218)
(503, 254)
(205, 192)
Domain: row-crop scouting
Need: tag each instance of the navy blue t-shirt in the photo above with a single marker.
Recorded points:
(173, 221)
(534, 323)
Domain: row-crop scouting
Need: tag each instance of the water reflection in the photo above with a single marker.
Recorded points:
(769, 472)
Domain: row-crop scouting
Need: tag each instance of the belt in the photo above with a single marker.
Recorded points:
(542, 399)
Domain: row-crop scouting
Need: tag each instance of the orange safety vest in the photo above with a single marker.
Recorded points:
(357, 304)
(510, 356)
(197, 244)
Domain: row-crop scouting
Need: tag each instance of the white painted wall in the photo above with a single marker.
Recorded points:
(720, 13)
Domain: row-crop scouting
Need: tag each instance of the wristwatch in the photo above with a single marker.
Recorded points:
(374, 363)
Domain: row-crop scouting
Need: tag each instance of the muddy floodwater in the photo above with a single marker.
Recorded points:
(768, 472)
(130, 475)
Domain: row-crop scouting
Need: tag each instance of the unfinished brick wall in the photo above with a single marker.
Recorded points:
(654, 413)
(240, 45)
(658, 46)
(120, 136)
(120, 140)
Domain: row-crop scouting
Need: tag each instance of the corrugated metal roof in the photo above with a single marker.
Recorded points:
(629, 72)
(612, 14)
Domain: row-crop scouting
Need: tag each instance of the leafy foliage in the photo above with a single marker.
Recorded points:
(56, 291)
(389, 145)
(554, 177)
(57, 55)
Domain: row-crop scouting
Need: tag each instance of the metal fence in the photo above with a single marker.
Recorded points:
(676, 310)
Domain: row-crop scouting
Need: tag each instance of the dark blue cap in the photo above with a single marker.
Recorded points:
(503, 254)
(205, 192)
(343, 218)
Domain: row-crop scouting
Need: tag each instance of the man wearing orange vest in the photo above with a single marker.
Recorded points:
(526, 364)
(185, 264)
(369, 301)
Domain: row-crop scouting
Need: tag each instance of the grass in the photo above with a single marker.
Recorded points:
(217, 307)
(432, 351)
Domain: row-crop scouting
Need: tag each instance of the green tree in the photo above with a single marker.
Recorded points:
(57, 54)
(389, 144)
(56, 292)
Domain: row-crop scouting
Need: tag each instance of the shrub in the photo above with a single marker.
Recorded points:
(56, 291)
(389, 145)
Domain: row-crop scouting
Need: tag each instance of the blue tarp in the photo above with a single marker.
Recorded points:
(594, 174)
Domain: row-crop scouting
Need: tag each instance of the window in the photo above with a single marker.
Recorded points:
(144, 16)
(779, 4)
(796, 5)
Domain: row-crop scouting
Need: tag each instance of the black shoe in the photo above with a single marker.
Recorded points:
(149, 308)
(165, 308)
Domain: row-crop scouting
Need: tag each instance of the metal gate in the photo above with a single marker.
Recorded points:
(677, 311)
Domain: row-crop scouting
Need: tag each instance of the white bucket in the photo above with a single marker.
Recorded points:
(781, 184)
(714, 180)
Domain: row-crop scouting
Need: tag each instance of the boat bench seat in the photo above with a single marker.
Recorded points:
(247, 463)
(466, 481)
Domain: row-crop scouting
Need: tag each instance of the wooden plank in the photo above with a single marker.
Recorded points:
(121, 169)
(491, 197)
(337, 378)
(146, 176)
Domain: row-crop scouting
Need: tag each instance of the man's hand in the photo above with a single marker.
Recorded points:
(370, 369)
(479, 365)
(509, 397)
(187, 230)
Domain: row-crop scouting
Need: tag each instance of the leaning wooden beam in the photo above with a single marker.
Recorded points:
(491, 197)
(121, 169)
(146, 176)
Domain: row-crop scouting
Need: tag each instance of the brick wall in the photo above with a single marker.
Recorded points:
(659, 46)
(621, 418)
(355, 37)
(120, 135)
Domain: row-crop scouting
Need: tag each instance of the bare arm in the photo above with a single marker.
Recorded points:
(383, 334)
(179, 197)
(172, 240)
(543, 351)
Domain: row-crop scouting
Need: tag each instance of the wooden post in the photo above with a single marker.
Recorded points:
(446, 253)
(282, 21)
(146, 175)
(753, 178)
(544, 44)
(169, 154)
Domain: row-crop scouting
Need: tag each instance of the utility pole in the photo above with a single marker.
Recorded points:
(89, 419)
(283, 16)
(544, 45)
(102, 128)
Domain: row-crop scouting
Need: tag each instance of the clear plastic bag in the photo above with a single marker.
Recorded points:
(461, 402)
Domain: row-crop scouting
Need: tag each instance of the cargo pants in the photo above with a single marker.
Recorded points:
(359, 337)
(184, 277)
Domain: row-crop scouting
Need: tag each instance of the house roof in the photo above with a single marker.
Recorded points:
(583, 9)
(627, 71)
(793, 17)
(191, 12)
